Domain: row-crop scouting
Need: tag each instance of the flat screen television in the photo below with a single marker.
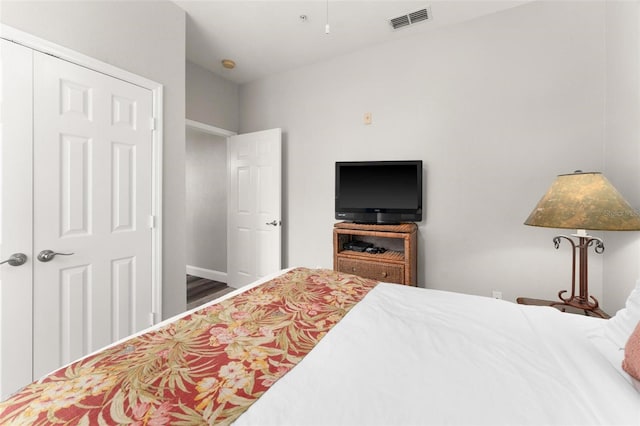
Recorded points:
(379, 191)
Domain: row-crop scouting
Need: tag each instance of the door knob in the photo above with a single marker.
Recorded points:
(273, 223)
(47, 255)
(16, 259)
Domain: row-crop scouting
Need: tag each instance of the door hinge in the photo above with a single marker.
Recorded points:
(152, 318)
(152, 221)
(152, 123)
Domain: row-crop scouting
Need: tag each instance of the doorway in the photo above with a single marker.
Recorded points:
(254, 193)
(206, 212)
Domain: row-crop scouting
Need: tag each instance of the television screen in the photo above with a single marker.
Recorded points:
(379, 192)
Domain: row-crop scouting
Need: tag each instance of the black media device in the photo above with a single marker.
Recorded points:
(375, 250)
(357, 246)
(379, 191)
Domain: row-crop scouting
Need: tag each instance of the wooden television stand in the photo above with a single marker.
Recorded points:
(396, 265)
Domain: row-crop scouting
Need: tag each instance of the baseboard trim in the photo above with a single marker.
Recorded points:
(207, 273)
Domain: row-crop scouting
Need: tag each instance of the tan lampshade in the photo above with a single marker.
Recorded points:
(584, 201)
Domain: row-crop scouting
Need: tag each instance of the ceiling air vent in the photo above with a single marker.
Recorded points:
(410, 18)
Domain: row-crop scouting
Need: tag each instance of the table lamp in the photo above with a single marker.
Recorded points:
(583, 201)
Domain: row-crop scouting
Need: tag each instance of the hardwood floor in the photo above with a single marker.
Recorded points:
(203, 290)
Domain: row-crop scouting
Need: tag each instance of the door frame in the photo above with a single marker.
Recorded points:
(220, 132)
(206, 128)
(214, 131)
(155, 222)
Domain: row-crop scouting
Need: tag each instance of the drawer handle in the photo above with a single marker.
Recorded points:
(384, 274)
(353, 269)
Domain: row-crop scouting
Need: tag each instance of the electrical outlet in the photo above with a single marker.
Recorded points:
(496, 294)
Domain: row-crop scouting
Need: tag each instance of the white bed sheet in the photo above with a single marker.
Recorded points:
(409, 356)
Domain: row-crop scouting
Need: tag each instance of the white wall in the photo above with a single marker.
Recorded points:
(211, 99)
(206, 179)
(148, 39)
(495, 107)
(622, 148)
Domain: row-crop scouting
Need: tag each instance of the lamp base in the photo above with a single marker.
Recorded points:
(589, 308)
(563, 307)
(582, 301)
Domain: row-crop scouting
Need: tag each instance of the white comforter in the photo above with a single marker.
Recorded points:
(409, 356)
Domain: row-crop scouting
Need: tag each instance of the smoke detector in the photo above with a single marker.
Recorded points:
(410, 18)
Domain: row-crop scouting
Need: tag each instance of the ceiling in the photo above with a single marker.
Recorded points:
(266, 37)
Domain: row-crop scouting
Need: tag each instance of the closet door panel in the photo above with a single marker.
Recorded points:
(16, 122)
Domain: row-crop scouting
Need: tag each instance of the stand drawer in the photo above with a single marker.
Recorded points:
(377, 271)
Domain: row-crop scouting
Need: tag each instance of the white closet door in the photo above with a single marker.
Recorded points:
(254, 206)
(15, 216)
(92, 201)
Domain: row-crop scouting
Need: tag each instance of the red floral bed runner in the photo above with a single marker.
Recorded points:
(207, 367)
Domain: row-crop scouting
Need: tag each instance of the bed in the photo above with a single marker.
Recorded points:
(313, 346)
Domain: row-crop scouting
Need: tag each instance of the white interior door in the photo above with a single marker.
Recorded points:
(76, 159)
(92, 202)
(15, 215)
(254, 206)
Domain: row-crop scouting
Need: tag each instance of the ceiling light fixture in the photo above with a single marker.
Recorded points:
(228, 64)
(327, 28)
